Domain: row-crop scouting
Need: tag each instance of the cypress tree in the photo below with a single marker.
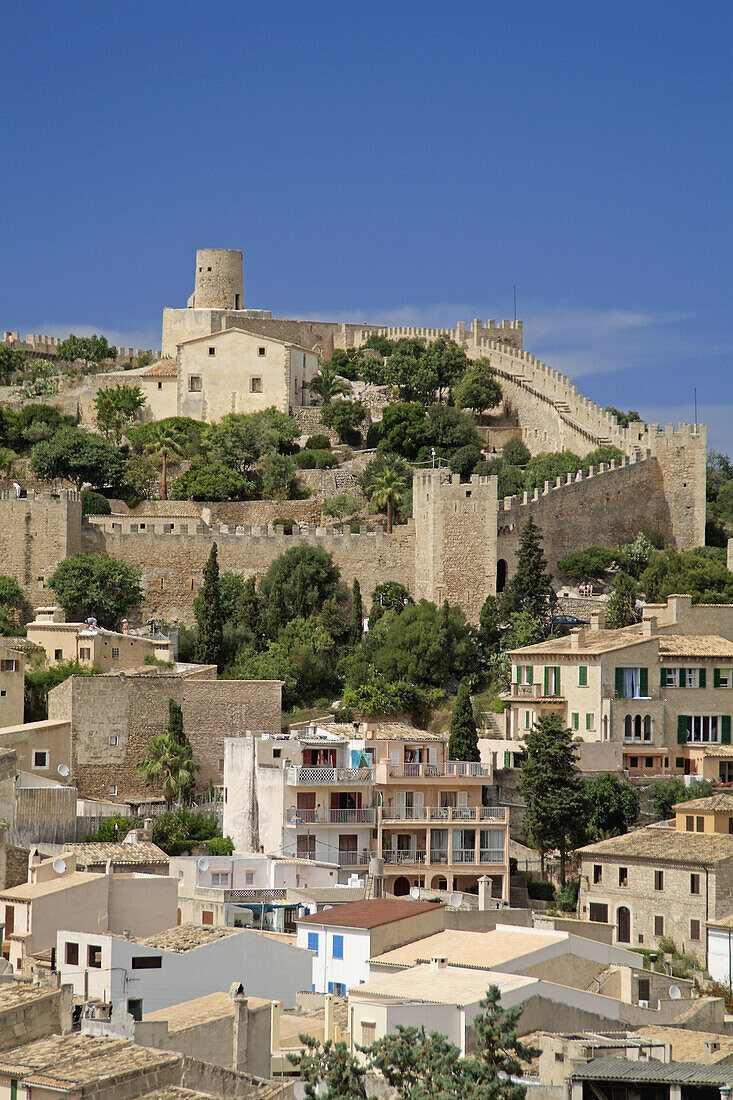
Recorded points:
(621, 607)
(209, 618)
(175, 724)
(463, 740)
(357, 614)
(530, 589)
(552, 789)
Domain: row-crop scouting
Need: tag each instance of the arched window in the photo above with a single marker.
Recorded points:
(500, 575)
(605, 727)
(627, 727)
(647, 727)
(637, 727)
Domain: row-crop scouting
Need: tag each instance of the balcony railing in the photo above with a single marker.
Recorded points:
(354, 859)
(458, 768)
(533, 691)
(322, 777)
(414, 856)
(442, 856)
(330, 817)
(445, 813)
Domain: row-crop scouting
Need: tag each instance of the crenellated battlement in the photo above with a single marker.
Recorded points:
(183, 528)
(528, 498)
(47, 347)
(503, 332)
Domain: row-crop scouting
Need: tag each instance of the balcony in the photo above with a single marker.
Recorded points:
(463, 769)
(330, 817)
(443, 857)
(325, 777)
(355, 859)
(400, 858)
(445, 813)
(531, 691)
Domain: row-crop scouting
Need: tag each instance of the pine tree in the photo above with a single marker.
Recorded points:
(621, 607)
(530, 589)
(209, 618)
(357, 614)
(552, 789)
(463, 740)
(499, 1053)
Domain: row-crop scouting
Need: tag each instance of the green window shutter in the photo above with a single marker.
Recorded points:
(582, 676)
(681, 729)
(662, 677)
(588, 719)
(644, 681)
(507, 759)
(682, 673)
(530, 673)
(619, 683)
(547, 680)
(701, 678)
(576, 720)
(716, 677)
(725, 729)
(557, 680)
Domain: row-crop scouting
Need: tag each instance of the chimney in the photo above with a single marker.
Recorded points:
(649, 627)
(329, 1024)
(438, 962)
(598, 619)
(241, 1026)
(577, 639)
(484, 892)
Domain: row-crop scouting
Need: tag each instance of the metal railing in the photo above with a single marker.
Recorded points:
(414, 856)
(314, 777)
(459, 768)
(295, 816)
(354, 859)
(445, 813)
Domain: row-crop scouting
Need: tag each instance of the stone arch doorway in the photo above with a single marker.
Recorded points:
(401, 887)
(500, 575)
(623, 924)
(441, 883)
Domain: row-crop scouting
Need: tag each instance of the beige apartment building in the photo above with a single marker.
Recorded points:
(12, 685)
(89, 644)
(433, 829)
(234, 371)
(659, 881)
(662, 689)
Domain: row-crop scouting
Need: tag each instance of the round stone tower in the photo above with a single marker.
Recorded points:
(219, 279)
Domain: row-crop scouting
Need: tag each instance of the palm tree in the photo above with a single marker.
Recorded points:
(165, 444)
(327, 383)
(168, 764)
(389, 487)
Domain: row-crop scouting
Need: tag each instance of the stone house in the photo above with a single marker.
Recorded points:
(57, 895)
(30, 1012)
(658, 689)
(89, 644)
(12, 684)
(658, 882)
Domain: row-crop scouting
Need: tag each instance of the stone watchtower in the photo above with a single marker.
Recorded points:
(219, 279)
(455, 539)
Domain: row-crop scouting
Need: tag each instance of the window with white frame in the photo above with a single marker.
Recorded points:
(194, 383)
(670, 677)
(115, 653)
(723, 677)
(692, 678)
(113, 788)
(255, 385)
(113, 740)
(219, 878)
(703, 728)
(40, 758)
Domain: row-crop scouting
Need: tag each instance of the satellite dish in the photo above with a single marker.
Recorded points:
(59, 865)
(325, 907)
(203, 864)
(675, 992)
(64, 770)
(415, 893)
(455, 900)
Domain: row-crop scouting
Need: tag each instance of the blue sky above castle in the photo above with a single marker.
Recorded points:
(386, 162)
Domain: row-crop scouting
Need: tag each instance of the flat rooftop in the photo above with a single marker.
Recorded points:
(480, 950)
(451, 985)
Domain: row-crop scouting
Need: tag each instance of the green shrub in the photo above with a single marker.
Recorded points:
(515, 453)
(318, 443)
(286, 524)
(220, 846)
(540, 891)
(374, 434)
(94, 504)
(567, 895)
(316, 460)
(355, 528)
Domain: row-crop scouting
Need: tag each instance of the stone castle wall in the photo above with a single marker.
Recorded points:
(35, 535)
(134, 709)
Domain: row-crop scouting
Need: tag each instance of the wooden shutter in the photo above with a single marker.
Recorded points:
(530, 673)
(681, 729)
(716, 677)
(619, 683)
(662, 677)
(557, 680)
(547, 679)
(701, 678)
(644, 682)
(682, 674)
(725, 729)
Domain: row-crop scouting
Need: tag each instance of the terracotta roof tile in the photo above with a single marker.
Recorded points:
(164, 368)
(672, 845)
(371, 914)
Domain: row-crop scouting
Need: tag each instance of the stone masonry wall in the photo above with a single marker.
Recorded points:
(47, 1013)
(35, 535)
(134, 709)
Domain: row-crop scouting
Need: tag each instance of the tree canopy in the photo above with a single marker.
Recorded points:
(215, 482)
(209, 615)
(463, 739)
(552, 789)
(530, 589)
(82, 457)
(116, 409)
(89, 349)
(96, 585)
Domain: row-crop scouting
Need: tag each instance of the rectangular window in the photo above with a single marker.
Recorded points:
(633, 761)
(694, 884)
(699, 824)
(576, 720)
(219, 878)
(255, 385)
(58, 654)
(705, 728)
(659, 926)
(113, 788)
(669, 677)
(644, 989)
(115, 653)
(597, 874)
(85, 653)
(261, 351)
(648, 761)
(313, 942)
(40, 759)
(7, 665)
(194, 383)
(631, 683)
(679, 761)
(722, 677)
(691, 679)
(147, 962)
(582, 676)
(337, 951)
(71, 955)
(689, 823)
(524, 674)
(598, 912)
(249, 878)
(113, 740)
(94, 956)
(694, 929)
(368, 1034)
(552, 680)
(528, 719)
(659, 880)
(623, 876)
(589, 722)
(212, 351)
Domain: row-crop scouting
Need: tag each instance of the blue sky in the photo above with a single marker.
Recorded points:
(403, 161)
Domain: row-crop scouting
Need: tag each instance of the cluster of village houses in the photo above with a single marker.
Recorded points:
(370, 884)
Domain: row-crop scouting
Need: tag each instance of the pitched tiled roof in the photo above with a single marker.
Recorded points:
(672, 845)
(694, 645)
(720, 801)
(595, 641)
(186, 937)
(690, 1046)
(73, 1061)
(94, 852)
(370, 914)
(163, 368)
